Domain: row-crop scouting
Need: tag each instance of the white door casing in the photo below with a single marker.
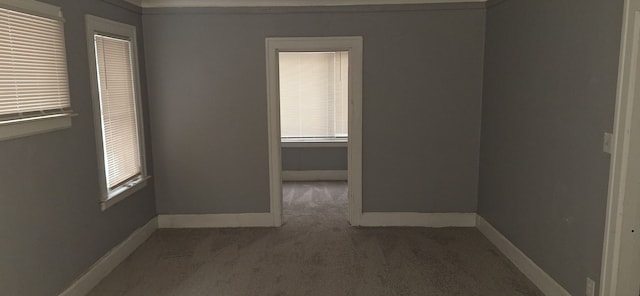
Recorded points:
(352, 44)
(621, 251)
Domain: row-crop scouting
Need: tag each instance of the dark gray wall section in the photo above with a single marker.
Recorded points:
(51, 225)
(421, 117)
(314, 159)
(549, 95)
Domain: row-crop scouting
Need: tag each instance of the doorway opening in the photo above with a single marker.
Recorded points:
(314, 134)
(315, 101)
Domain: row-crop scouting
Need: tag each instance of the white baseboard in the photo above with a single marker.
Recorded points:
(110, 261)
(539, 277)
(216, 220)
(119, 253)
(314, 175)
(373, 219)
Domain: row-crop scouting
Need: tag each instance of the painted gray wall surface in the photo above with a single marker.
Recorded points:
(549, 95)
(421, 117)
(51, 225)
(314, 159)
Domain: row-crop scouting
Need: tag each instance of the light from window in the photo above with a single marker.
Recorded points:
(121, 145)
(33, 67)
(314, 94)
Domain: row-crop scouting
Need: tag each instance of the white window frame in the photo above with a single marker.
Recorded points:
(10, 129)
(97, 25)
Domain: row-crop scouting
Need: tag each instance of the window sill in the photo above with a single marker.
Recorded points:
(314, 143)
(33, 126)
(124, 191)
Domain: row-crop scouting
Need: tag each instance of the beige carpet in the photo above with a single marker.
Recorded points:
(316, 252)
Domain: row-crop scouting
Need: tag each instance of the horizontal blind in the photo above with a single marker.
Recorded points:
(118, 110)
(313, 94)
(33, 66)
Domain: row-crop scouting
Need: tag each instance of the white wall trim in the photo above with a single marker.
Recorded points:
(282, 3)
(620, 258)
(539, 277)
(336, 144)
(352, 44)
(435, 220)
(314, 175)
(34, 126)
(216, 220)
(110, 260)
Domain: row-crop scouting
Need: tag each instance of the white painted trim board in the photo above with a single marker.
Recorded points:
(368, 219)
(314, 175)
(406, 219)
(110, 260)
(539, 277)
(620, 269)
(216, 220)
(336, 144)
(282, 3)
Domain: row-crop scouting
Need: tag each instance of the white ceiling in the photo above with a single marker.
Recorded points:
(276, 3)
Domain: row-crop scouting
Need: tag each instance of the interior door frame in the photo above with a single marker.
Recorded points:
(352, 44)
(620, 273)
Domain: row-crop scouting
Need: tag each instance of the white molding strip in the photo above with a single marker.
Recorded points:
(539, 277)
(110, 260)
(216, 220)
(310, 144)
(620, 269)
(314, 175)
(282, 3)
(24, 128)
(435, 220)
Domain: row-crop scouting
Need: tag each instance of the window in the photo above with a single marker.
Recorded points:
(314, 96)
(117, 106)
(34, 87)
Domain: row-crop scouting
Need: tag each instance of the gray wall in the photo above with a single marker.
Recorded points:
(314, 159)
(549, 95)
(421, 117)
(51, 225)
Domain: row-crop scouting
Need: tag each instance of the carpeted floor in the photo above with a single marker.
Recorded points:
(316, 252)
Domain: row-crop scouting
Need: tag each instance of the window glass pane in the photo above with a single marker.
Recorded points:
(118, 110)
(313, 94)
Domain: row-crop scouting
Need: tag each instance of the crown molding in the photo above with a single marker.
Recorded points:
(282, 3)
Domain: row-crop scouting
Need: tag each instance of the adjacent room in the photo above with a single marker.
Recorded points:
(319, 147)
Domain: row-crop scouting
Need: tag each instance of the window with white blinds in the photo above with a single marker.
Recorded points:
(33, 66)
(116, 100)
(313, 95)
(118, 110)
